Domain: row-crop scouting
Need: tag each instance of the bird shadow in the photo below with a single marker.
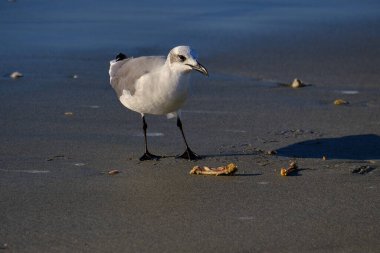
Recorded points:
(352, 147)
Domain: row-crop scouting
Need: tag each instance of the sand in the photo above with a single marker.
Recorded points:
(61, 135)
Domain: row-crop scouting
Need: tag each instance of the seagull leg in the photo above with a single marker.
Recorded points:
(188, 154)
(147, 155)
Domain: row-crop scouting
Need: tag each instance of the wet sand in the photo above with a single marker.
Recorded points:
(56, 195)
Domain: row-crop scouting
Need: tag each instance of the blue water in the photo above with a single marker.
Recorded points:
(86, 24)
(258, 30)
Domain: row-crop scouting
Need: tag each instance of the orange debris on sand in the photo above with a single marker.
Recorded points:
(292, 168)
(225, 170)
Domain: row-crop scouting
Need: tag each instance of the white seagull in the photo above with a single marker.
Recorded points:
(156, 85)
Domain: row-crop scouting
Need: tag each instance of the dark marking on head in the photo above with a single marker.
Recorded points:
(173, 58)
(177, 58)
(120, 57)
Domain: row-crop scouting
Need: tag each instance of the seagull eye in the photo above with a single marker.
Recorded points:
(181, 57)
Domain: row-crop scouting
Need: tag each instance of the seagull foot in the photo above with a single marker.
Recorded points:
(189, 155)
(148, 156)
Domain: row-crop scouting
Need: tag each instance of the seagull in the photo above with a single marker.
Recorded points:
(156, 85)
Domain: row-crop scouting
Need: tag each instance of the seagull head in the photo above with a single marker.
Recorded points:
(184, 59)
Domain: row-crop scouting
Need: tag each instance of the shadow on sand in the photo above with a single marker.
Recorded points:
(353, 147)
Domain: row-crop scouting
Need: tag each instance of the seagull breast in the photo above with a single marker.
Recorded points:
(159, 92)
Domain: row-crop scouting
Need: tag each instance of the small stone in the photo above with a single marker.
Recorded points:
(69, 113)
(3, 246)
(271, 152)
(113, 172)
(340, 102)
(16, 75)
(297, 83)
(75, 76)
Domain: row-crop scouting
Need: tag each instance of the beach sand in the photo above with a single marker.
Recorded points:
(61, 135)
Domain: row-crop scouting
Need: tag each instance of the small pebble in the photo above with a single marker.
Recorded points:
(297, 83)
(3, 246)
(340, 102)
(69, 113)
(16, 75)
(113, 172)
(75, 76)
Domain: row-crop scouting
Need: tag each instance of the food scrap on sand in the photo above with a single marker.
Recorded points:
(291, 169)
(230, 169)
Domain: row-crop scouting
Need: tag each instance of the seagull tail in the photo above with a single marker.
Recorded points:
(120, 57)
(116, 64)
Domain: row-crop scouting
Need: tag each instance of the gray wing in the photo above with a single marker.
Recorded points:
(124, 73)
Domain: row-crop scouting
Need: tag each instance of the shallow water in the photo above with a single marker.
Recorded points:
(148, 24)
(275, 40)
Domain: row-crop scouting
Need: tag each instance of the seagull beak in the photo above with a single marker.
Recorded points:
(198, 67)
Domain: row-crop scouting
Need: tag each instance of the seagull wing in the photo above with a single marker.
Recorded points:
(125, 73)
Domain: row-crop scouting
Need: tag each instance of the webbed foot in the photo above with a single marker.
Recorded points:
(189, 155)
(148, 156)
